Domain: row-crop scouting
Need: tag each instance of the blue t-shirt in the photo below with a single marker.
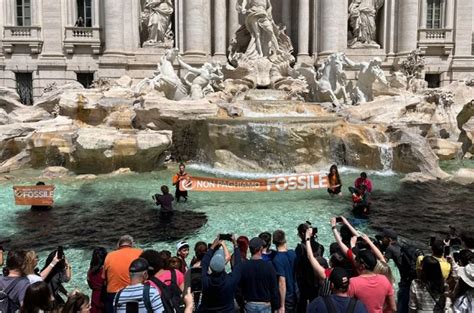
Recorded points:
(284, 263)
(340, 303)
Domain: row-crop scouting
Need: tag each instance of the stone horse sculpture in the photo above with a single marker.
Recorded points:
(165, 79)
(368, 74)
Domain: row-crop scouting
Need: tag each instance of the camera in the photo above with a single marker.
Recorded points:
(315, 229)
(227, 237)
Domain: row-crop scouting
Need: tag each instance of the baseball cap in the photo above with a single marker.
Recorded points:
(217, 264)
(367, 258)
(139, 265)
(181, 245)
(339, 278)
(256, 244)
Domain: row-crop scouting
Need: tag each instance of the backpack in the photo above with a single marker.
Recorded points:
(7, 305)
(331, 308)
(171, 296)
(146, 299)
(407, 264)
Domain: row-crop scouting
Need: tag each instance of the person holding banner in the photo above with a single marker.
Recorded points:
(181, 175)
(335, 183)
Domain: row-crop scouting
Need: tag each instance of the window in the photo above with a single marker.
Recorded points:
(84, 13)
(434, 80)
(85, 79)
(24, 87)
(23, 12)
(433, 19)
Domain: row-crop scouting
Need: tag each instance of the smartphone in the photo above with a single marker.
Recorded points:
(60, 252)
(447, 251)
(196, 282)
(227, 237)
(432, 240)
(315, 230)
(338, 219)
(131, 307)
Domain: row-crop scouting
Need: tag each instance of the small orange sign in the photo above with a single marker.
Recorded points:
(278, 183)
(34, 195)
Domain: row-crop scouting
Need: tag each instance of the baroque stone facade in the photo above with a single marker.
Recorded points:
(44, 42)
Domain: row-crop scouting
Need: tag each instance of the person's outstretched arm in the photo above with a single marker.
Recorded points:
(351, 228)
(317, 268)
(337, 236)
(378, 254)
(237, 270)
(206, 261)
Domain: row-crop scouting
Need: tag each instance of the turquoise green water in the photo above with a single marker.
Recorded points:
(238, 213)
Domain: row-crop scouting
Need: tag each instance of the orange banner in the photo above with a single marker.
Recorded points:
(278, 183)
(34, 195)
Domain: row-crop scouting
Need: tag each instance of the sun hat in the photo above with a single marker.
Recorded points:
(467, 274)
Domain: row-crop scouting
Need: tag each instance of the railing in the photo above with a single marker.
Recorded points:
(437, 35)
(440, 38)
(22, 35)
(82, 36)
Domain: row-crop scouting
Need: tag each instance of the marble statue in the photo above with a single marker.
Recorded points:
(259, 43)
(201, 80)
(369, 72)
(157, 14)
(165, 79)
(362, 23)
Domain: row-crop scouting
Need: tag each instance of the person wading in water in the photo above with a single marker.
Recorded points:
(181, 175)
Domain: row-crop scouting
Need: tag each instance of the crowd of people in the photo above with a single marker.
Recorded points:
(258, 275)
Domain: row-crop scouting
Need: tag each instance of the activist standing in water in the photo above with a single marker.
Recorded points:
(181, 175)
(335, 183)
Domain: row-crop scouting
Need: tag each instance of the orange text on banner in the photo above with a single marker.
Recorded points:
(33, 195)
(278, 183)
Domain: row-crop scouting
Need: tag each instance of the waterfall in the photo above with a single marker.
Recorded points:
(386, 156)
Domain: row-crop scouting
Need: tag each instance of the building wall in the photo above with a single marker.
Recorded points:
(204, 29)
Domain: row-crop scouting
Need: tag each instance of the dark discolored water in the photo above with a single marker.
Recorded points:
(419, 210)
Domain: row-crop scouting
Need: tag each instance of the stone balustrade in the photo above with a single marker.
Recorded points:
(22, 36)
(82, 36)
(440, 38)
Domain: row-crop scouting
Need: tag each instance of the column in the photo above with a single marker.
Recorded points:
(195, 20)
(233, 18)
(449, 14)
(303, 29)
(220, 29)
(391, 28)
(463, 31)
(333, 22)
(286, 16)
(423, 13)
(113, 26)
(407, 26)
(96, 14)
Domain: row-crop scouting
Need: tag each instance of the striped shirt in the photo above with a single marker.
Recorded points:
(422, 301)
(134, 293)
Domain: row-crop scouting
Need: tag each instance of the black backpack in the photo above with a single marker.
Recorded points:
(171, 296)
(407, 262)
(7, 305)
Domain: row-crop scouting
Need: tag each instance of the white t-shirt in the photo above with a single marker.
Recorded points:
(34, 278)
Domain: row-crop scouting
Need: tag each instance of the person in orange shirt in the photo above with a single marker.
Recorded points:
(335, 183)
(177, 179)
(116, 269)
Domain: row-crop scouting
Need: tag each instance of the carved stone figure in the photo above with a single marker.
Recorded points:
(259, 44)
(157, 14)
(362, 23)
(330, 81)
(368, 74)
(201, 80)
(165, 80)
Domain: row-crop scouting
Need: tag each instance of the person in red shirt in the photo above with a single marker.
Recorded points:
(374, 290)
(363, 180)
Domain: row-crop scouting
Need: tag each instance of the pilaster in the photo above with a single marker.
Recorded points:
(220, 28)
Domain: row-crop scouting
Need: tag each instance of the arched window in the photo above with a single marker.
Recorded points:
(434, 14)
(84, 11)
(23, 12)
